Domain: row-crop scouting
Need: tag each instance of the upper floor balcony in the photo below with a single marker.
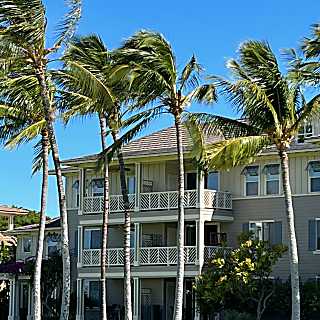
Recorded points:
(164, 200)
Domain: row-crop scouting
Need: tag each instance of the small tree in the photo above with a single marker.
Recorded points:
(244, 273)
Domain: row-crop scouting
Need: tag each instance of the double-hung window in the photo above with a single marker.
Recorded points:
(305, 131)
(93, 295)
(92, 238)
(251, 174)
(267, 230)
(52, 246)
(27, 242)
(314, 234)
(272, 172)
(314, 176)
(76, 194)
(131, 184)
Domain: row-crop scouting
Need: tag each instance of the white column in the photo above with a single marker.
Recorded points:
(80, 246)
(10, 223)
(137, 185)
(200, 189)
(81, 190)
(80, 307)
(200, 243)
(136, 298)
(30, 304)
(136, 243)
(12, 299)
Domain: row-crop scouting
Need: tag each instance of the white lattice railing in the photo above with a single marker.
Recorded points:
(94, 205)
(166, 255)
(217, 199)
(212, 252)
(92, 257)
(160, 200)
(166, 200)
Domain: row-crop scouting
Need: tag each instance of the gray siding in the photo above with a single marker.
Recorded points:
(306, 207)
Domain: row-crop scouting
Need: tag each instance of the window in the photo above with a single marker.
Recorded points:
(97, 187)
(272, 172)
(270, 231)
(314, 234)
(314, 176)
(75, 192)
(92, 239)
(93, 296)
(251, 180)
(27, 242)
(191, 181)
(305, 131)
(211, 181)
(131, 184)
(52, 247)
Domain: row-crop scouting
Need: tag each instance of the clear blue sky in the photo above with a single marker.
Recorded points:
(211, 29)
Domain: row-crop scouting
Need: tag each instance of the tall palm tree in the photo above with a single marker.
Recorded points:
(155, 78)
(88, 87)
(22, 120)
(23, 47)
(273, 109)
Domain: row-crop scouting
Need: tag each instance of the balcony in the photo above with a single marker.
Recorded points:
(151, 255)
(165, 200)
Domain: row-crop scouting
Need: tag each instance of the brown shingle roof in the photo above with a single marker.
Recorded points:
(9, 211)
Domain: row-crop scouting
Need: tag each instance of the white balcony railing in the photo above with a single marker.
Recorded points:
(164, 200)
(92, 257)
(151, 255)
(166, 255)
(217, 199)
(94, 205)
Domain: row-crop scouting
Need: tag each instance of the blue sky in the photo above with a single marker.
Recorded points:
(210, 29)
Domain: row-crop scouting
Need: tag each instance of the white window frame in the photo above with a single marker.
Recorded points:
(259, 182)
(134, 185)
(309, 177)
(23, 240)
(305, 135)
(57, 245)
(266, 181)
(92, 191)
(262, 222)
(84, 238)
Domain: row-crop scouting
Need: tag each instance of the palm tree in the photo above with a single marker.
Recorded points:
(23, 48)
(22, 120)
(155, 77)
(88, 87)
(273, 109)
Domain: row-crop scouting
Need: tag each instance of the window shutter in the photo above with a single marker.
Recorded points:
(312, 235)
(245, 227)
(275, 229)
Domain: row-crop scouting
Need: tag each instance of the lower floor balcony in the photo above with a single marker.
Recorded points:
(151, 255)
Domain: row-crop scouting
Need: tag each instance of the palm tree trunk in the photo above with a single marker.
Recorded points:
(177, 315)
(42, 225)
(103, 132)
(293, 249)
(126, 230)
(49, 115)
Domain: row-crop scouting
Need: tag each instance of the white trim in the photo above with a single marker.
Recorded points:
(316, 252)
(266, 180)
(309, 177)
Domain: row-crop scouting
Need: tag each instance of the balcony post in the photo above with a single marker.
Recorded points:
(200, 189)
(80, 246)
(137, 186)
(136, 244)
(200, 243)
(79, 315)
(81, 190)
(30, 304)
(10, 223)
(136, 298)
(12, 299)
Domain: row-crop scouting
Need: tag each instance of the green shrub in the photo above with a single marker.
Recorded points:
(236, 315)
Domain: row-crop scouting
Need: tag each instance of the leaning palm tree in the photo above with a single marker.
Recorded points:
(88, 87)
(23, 48)
(22, 120)
(155, 78)
(273, 109)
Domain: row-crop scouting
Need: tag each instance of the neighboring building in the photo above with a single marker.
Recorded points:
(20, 297)
(218, 208)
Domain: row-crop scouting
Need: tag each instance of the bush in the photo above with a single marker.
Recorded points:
(236, 315)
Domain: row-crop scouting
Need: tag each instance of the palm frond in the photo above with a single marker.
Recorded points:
(190, 74)
(37, 161)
